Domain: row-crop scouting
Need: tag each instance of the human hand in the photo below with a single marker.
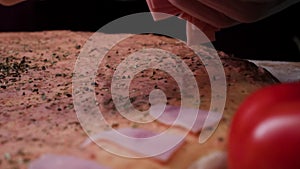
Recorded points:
(10, 2)
(212, 15)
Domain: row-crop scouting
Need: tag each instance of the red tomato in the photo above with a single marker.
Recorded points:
(265, 131)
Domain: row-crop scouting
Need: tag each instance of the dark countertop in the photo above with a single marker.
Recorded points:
(270, 39)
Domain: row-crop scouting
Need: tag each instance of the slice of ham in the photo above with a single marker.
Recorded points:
(170, 116)
(51, 161)
(144, 143)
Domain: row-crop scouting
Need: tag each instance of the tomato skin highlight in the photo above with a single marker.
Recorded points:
(265, 131)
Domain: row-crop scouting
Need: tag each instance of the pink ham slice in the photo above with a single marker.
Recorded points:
(170, 116)
(143, 142)
(51, 161)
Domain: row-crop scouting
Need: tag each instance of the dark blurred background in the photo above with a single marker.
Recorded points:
(273, 38)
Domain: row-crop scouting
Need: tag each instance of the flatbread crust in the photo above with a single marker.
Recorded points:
(37, 114)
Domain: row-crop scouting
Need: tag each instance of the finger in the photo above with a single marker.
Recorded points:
(195, 27)
(197, 36)
(10, 2)
(198, 23)
(242, 10)
(157, 4)
(203, 26)
(204, 13)
(162, 9)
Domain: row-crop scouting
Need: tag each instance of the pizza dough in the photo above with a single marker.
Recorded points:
(37, 113)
